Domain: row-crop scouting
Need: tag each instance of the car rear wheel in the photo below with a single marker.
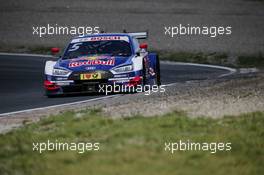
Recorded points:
(144, 79)
(158, 82)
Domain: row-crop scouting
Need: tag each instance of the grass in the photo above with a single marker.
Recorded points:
(199, 57)
(254, 60)
(251, 61)
(135, 145)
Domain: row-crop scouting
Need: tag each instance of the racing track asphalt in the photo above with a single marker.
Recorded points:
(21, 78)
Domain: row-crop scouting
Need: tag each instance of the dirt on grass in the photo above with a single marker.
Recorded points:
(209, 98)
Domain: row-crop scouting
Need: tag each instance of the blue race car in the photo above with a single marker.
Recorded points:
(91, 61)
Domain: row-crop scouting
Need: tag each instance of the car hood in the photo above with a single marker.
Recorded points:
(102, 62)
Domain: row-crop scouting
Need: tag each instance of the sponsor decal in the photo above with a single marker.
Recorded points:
(63, 83)
(121, 76)
(101, 38)
(109, 62)
(91, 76)
(90, 68)
(61, 78)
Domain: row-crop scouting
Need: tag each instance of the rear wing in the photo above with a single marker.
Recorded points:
(139, 35)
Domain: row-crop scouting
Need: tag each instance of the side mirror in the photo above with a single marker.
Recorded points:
(143, 46)
(55, 50)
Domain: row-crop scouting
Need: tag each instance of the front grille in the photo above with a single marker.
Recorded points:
(105, 75)
(87, 82)
(83, 87)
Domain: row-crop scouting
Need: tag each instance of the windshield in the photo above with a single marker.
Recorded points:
(109, 47)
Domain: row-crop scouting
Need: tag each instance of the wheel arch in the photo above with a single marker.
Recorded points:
(155, 64)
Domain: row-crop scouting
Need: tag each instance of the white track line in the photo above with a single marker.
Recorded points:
(231, 71)
(60, 105)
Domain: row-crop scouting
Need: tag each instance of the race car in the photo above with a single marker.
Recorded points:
(91, 61)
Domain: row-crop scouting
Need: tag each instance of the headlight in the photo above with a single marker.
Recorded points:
(60, 72)
(123, 69)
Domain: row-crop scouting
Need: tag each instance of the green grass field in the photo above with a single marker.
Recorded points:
(135, 145)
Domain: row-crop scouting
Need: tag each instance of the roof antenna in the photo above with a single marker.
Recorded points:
(124, 31)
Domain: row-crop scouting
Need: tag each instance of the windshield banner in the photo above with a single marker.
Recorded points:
(101, 38)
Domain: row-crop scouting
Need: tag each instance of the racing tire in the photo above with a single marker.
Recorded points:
(158, 71)
(144, 79)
